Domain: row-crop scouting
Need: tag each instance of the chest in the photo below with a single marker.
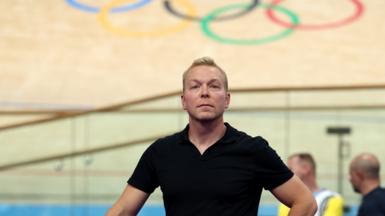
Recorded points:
(224, 175)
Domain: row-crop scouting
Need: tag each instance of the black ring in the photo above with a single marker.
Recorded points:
(171, 10)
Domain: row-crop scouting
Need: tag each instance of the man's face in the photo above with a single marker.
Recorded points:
(297, 167)
(354, 179)
(205, 97)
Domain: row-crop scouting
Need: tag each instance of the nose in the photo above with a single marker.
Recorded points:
(204, 91)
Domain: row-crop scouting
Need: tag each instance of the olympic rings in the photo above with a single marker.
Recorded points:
(359, 8)
(172, 10)
(189, 14)
(93, 9)
(206, 20)
(103, 18)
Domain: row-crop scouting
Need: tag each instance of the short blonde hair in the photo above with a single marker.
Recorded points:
(305, 157)
(208, 62)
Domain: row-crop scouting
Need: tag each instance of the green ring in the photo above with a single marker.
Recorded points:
(211, 16)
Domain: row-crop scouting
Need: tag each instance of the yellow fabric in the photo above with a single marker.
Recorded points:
(334, 207)
(283, 210)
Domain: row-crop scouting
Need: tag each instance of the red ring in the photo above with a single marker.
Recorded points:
(359, 9)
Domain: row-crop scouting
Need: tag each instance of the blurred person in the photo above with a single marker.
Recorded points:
(211, 168)
(329, 202)
(364, 175)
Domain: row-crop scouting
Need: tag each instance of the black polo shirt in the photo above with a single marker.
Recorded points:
(373, 203)
(226, 180)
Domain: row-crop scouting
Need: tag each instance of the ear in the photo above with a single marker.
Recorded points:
(307, 168)
(183, 102)
(227, 100)
(360, 175)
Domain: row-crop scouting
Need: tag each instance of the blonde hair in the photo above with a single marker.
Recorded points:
(305, 157)
(208, 62)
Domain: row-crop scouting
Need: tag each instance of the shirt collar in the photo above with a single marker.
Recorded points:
(230, 134)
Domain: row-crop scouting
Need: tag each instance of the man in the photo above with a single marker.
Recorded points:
(364, 175)
(210, 168)
(329, 203)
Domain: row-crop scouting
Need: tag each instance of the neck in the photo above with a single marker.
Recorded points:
(369, 185)
(205, 134)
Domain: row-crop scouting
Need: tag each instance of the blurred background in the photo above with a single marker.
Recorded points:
(87, 85)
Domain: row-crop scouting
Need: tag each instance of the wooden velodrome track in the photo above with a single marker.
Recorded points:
(82, 53)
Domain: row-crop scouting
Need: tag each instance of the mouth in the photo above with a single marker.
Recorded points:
(205, 105)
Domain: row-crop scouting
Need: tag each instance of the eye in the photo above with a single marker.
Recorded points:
(194, 86)
(215, 86)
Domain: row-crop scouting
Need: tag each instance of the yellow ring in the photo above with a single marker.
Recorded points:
(103, 19)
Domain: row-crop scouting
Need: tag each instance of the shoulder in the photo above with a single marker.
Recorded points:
(373, 203)
(376, 196)
(246, 140)
(379, 192)
(164, 143)
(257, 146)
(334, 206)
(170, 139)
(234, 134)
(330, 203)
(264, 155)
(372, 206)
(329, 195)
(336, 200)
(261, 146)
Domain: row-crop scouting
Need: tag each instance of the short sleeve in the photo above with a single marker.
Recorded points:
(273, 171)
(144, 176)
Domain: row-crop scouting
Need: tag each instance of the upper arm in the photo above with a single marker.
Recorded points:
(129, 203)
(290, 191)
(295, 192)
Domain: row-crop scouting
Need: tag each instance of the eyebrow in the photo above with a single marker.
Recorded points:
(209, 82)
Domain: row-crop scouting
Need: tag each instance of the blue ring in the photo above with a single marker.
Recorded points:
(93, 9)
